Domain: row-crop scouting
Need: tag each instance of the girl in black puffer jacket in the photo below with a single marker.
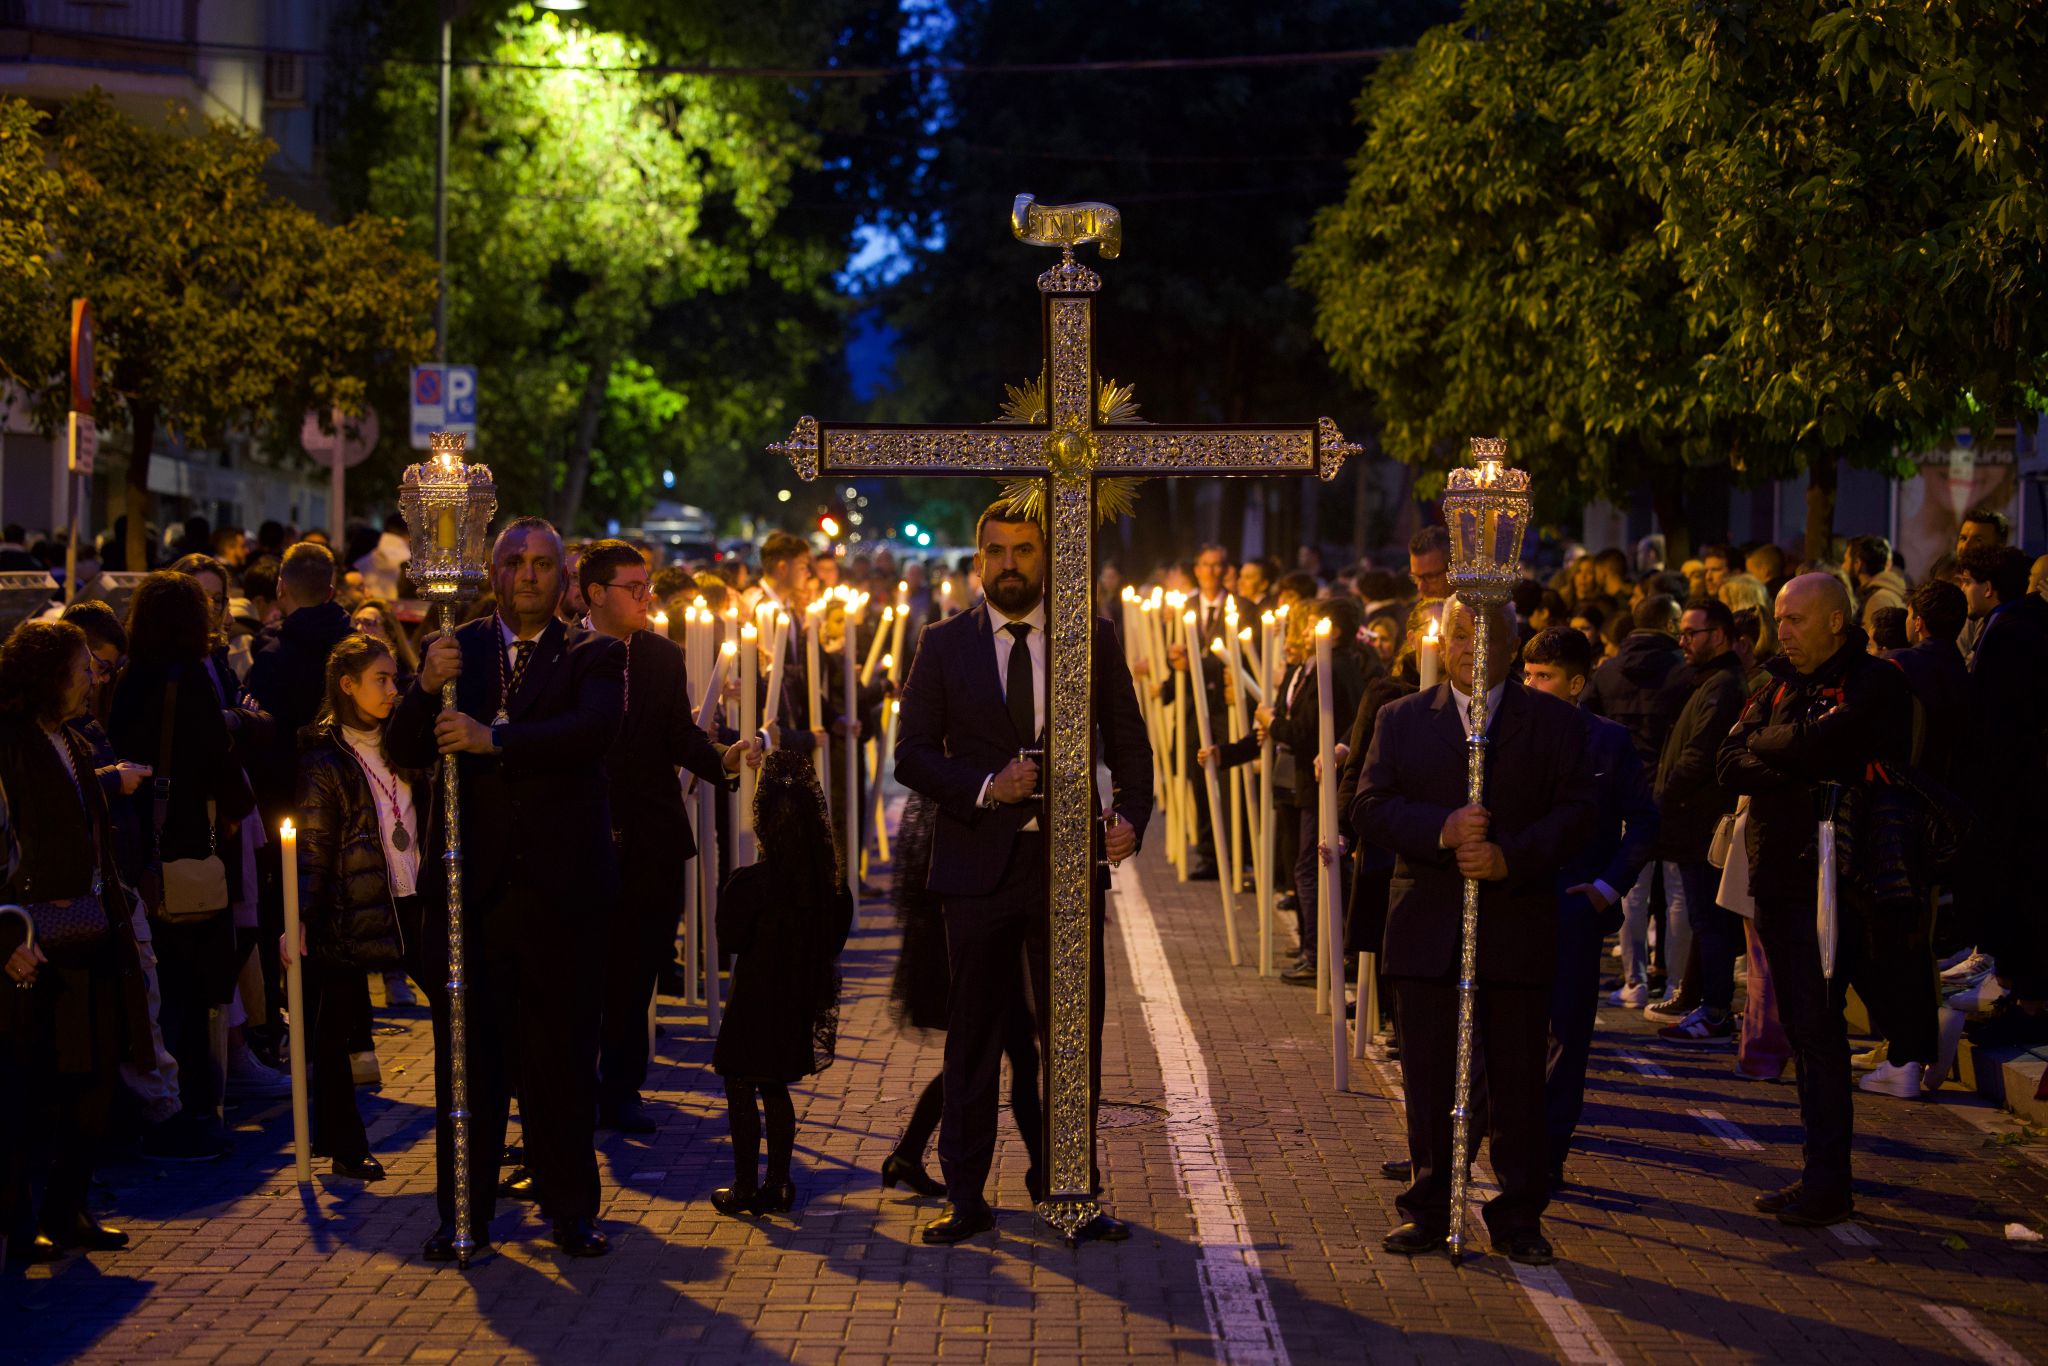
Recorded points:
(359, 836)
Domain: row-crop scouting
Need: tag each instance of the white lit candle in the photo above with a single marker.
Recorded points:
(295, 1002)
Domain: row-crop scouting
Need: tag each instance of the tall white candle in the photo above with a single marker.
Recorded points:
(1331, 964)
(814, 680)
(295, 1002)
(750, 722)
(1429, 654)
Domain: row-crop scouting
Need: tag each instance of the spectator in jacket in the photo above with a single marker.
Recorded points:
(1867, 565)
(1939, 679)
(289, 676)
(1693, 801)
(1559, 662)
(74, 1007)
(166, 702)
(1644, 687)
(1831, 711)
(359, 858)
(2006, 674)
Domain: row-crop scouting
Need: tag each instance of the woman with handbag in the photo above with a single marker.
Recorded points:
(167, 714)
(359, 861)
(76, 1006)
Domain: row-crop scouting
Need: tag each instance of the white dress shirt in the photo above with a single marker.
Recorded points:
(401, 865)
(1005, 642)
(1464, 701)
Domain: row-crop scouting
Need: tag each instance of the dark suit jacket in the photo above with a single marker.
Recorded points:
(955, 731)
(1540, 791)
(288, 677)
(536, 817)
(1626, 823)
(659, 735)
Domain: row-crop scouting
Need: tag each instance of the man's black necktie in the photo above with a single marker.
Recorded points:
(1018, 690)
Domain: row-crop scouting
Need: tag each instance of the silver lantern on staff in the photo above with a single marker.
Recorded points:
(1486, 509)
(448, 504)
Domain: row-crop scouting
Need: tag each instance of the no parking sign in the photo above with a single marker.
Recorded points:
(443, 400)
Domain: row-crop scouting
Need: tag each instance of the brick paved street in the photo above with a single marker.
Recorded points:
(1661, 1258)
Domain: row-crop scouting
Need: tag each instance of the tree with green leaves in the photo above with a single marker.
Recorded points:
(218, 304)
(32, 324)
(1650, 239)
(629, 262)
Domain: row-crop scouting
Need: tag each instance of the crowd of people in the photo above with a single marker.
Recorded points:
(1674, 745)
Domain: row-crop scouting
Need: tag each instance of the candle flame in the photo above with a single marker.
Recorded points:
(1216, 646)
(1245, 635)
(1267, 618)
(288, 830)
(729, 649)
(1430, 632)
(888, 661)
(1322, 626)
(1188, 617)
(750, 632)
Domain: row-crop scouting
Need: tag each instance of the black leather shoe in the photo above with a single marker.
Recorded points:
(441, 1247)
(368, 1169)
(1034, 1184)
(777, 1197)
(628, 1118)
(1302, 974)
(39, 1251)
(1529, 1249)
(1817, 1211)
(1399, 1169)
(87, 1233)
(734, 1202)
(898, 1169)
(1772, 1201)
(580, 1238)
(1554, 1179)
(517, 1185)
(1412, 1240)
(958, 1226)
(1103, 1229)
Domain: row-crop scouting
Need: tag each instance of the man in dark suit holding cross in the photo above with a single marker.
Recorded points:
(974, 704)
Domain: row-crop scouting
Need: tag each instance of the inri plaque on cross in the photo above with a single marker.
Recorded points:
(1069, 451)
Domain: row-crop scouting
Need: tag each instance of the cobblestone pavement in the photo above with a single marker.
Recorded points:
(1256, 1201)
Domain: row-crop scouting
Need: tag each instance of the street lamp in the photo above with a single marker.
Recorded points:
(1487, 509)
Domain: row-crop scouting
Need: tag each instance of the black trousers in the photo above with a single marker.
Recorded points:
(195, 970)
(1895, 977)
(1020, 1046)
(1574, 1008)
(337, 1012)
(1811, 1007)
(1510, 1036)
(639, 940)
(996, 945)
(534, 989)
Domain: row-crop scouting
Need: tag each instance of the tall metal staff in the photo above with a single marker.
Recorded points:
(448, 505)
(1487, 511)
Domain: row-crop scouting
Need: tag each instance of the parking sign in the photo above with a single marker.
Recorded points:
(443, 400)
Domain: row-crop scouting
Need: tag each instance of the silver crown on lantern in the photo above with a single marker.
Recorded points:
(1487, 508)
(448, 504)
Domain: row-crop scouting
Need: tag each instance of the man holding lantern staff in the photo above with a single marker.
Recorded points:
(1539, 807)
(537, 706)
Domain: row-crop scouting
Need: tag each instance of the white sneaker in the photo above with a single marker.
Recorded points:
(248, 1076)
(1975, 964)
(1902, 1080)
(363, 1067)
(1630, 995)
(1975, 997)
(398, 991)
(1874, 1057)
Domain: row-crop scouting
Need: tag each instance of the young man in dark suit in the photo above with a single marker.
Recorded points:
(537, 706)
(1540, 807)
(650, 828)
(974, 701)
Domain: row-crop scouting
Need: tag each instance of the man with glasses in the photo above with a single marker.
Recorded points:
(1692, 802)
(650, 825)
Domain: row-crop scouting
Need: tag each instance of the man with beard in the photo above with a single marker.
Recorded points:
(974, 703)
(537, 704)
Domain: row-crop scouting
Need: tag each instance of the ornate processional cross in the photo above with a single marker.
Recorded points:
(1068, 452)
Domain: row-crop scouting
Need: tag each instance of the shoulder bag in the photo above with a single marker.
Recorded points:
(186, 891)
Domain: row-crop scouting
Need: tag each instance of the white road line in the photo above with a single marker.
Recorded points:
(1642, 1065)
(1986, 1345)
(1727, 1130)
(1579, 1339)
(1241, 1316)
